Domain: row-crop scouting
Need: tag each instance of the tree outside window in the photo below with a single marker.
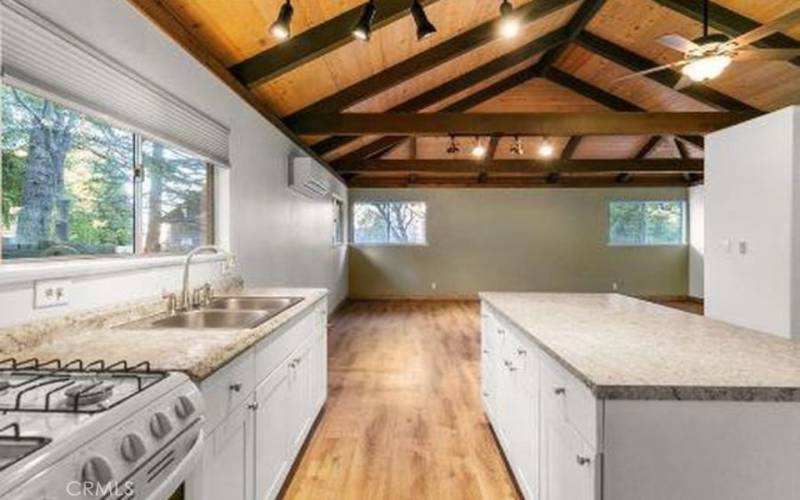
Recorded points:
(389, 223)
(647, 223)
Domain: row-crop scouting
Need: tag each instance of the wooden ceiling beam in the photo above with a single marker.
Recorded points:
(489, 181)
(731, 23)
(491, 149)
(315, 42)
(682, 151)
(648, 147)
(667, 77)
(423, 61)
(603, 97)
(461, 83)
(549, 124)
(519, 166)
(569, 149)
(164, 19)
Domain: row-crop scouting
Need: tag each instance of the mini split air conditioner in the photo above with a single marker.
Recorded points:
(308, 178)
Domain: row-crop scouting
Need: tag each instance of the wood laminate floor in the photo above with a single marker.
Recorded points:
(403, 418)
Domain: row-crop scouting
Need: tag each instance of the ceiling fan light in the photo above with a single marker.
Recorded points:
(281, 28)
(363, 27)
(706, 68)
(425, 27)
(509, 24)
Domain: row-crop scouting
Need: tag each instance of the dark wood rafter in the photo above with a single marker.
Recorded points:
(603, 97)
(460, 83)
(731, 23)
(419, 63)
(547, 124)
(569, 149)
(520, 166)
(667, 77)
(315, 42)
(550, 180)
(648, 147)
(161, 16)
(491, 149)
(683, 152)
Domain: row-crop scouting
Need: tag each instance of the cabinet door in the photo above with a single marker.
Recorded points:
(272, 433)
(228, 459)
(526, 424)
(300, 403)
(568, 465)
(319, 362)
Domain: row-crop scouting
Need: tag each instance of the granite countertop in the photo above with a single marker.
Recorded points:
(196, 352)
(626, 348)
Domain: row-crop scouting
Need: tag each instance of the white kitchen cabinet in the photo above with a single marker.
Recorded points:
(568, 465)
(283, 387)
(272, 423)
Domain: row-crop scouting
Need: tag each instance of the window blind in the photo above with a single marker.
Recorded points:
(42, 56)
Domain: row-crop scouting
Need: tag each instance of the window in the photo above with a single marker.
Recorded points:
(69, 187)
(338, 220)
(389, 223)
(647, 223)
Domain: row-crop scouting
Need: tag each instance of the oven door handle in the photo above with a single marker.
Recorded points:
(182, 472)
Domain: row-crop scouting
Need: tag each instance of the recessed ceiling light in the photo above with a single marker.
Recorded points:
(546, 149)
(478, 150)
(363, 27)
(425, 27)
(282, 27)
(509, 23)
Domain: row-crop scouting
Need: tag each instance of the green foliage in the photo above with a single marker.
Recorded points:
(646, 222)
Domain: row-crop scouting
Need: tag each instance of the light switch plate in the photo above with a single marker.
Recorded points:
(51, 293)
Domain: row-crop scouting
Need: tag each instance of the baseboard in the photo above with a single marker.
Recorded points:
(469, 297)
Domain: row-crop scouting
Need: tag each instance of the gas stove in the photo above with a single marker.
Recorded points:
(95, 430)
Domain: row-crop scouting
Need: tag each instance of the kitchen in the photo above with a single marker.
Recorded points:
(395, 249)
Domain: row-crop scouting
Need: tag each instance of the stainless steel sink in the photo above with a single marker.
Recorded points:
(222, 312)
(212, 319)
(253, 303)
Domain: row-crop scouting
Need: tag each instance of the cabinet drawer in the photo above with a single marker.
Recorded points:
(273, 349)
(570, 400)
(227, 388)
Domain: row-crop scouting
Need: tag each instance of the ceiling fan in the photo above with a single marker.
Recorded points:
(705, 58)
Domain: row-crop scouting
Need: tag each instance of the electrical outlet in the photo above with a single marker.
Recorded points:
(615, 286)
(433, 285)
(742, 247)
(51, 293)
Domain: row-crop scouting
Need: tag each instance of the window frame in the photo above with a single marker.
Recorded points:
(352, 225)
(684, 223)
(138, 172)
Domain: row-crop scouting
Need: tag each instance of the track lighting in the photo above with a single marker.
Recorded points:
(509, 23)
(424, 26)
(546, 149)
(453, 148)
(282, 27)
(516, 147)
(363, 28)
(478, 150)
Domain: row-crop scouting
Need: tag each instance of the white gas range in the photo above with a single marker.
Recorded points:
(96, 430)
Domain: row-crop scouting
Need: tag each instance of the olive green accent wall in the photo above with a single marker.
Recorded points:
(516, 239)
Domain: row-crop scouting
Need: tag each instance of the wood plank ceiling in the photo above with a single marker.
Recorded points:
(566, 59)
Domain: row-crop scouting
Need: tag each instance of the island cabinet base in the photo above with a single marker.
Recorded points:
(261, 408)
(563, 443)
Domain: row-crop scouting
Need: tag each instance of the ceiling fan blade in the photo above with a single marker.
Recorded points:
(648, 71)
(684, 82)
(678, 43)
(766, 54)
(780, 23)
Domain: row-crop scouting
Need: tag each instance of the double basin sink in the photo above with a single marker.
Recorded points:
(222, 312)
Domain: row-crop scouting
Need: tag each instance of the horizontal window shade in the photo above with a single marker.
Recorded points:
(38, 54)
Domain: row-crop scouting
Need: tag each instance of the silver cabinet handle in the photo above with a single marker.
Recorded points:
(253, 406)
(486, 351)
(522, 352)
(560, 390)
(486, 394)
(236, 386)
(501, 331)
(583, 460)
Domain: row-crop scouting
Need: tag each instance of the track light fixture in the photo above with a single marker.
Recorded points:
(363, 27)
(282, 27)
(453, 148)
(546, 149)
(516, 147)
(425, 27)
(509, 23)
(478, 150)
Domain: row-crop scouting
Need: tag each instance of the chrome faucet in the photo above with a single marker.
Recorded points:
(186, 294)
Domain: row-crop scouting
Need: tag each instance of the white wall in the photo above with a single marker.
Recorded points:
(696, 240)
(280, 237)
(751, 190)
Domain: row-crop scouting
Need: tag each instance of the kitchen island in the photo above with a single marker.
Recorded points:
(605, 396)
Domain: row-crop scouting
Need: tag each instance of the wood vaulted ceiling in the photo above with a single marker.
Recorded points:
(461, 69)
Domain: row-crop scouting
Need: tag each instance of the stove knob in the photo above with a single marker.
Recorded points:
(184, 407)
(160, 425)
(132, 447)
(96, 470)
